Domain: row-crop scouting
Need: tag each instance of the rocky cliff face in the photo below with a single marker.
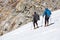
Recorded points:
(14, 13)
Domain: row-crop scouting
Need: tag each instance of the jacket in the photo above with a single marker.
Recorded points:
(36, 17)
(47, 12)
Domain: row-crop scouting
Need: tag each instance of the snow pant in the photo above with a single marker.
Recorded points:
(46, 20)
(35, 22)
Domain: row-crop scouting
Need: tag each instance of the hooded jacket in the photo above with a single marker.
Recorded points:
(47, 12)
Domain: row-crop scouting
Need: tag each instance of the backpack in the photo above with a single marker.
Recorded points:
(38, 17)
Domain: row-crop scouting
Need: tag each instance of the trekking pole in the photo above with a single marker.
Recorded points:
(49, 20)
(42, 20)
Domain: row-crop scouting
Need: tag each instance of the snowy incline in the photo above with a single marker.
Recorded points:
(26, 32)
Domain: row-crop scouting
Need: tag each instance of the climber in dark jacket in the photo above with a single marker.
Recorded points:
(35, 19)
(47, 14)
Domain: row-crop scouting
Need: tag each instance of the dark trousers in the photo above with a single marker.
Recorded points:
(46, 20)
(35, 22)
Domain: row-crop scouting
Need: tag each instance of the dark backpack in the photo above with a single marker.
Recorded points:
(38, 17)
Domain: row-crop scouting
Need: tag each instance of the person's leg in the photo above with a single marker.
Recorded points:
(45, 20)
(37, 24)
(34, 24)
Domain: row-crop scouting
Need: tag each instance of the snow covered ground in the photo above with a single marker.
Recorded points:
(26, 32)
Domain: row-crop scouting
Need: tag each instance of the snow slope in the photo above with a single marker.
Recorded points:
(26, 32)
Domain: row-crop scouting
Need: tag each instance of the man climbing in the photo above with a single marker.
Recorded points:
(47, 14)
(35, 19)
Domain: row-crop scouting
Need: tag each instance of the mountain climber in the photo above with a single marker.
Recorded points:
(47, 14)
(35, 19)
